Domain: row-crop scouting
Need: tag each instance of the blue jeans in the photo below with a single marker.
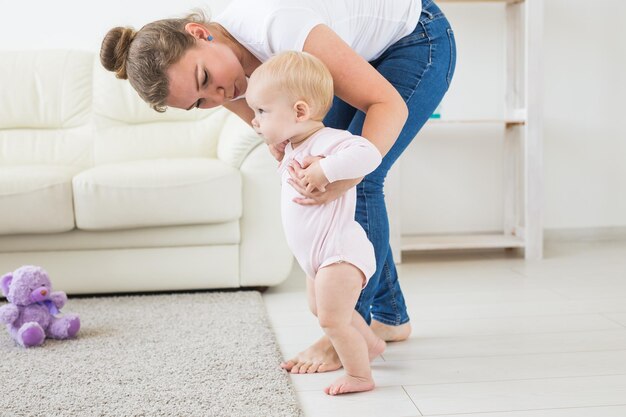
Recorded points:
(420, 66)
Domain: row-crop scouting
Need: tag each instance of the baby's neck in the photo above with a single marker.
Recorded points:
(307, 132)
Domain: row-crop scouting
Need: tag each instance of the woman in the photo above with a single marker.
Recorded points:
(391, 63)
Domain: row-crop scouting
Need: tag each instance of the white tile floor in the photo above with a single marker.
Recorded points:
(493, 336)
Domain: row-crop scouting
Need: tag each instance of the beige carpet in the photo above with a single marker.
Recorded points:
(201, 354)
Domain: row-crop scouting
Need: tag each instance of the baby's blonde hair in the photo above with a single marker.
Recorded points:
(302, 76)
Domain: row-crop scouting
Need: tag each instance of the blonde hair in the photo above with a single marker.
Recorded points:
(302, 76)
(143, 57)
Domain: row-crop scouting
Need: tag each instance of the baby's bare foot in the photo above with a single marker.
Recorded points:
(391, 333)
(377, 349)
(348, 383)
(319, 357)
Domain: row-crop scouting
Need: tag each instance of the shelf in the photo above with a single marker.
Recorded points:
(517, 116)
(522, 159)
(507, 122)
(480, 1)
(463, 241)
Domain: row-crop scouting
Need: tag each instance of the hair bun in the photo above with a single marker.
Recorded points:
(114, 50)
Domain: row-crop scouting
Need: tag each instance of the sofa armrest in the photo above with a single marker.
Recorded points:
(265, 258)
(236, 141)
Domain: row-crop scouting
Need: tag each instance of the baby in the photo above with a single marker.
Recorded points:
(290, 95)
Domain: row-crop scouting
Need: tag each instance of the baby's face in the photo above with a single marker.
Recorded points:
(274, 113)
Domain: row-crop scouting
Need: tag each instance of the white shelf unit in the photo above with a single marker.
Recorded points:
(523, 152)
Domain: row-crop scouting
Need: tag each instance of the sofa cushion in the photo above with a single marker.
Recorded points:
(162, 192)
(127, 129)
(116, 100)
(115, 143)
(73, 146)
(45, 89)
(36, 199)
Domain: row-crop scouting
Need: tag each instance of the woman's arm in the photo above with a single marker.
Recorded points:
(360, 85)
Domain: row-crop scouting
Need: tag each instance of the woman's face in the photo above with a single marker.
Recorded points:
(206, 76)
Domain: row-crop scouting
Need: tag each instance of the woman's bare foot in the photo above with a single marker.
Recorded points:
(322, 357)
(391, 333)
(348, 383)
(319, 357)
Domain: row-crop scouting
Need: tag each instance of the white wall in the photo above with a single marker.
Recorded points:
(585, 134)
(451, 176)
(41, 24)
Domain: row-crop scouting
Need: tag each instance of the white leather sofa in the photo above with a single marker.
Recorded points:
(110, 196)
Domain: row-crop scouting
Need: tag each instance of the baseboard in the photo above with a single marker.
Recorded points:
(585, 234)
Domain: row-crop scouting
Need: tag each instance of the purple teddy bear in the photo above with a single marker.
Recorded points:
(30, 316)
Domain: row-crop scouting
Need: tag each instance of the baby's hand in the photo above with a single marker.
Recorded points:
(278, 150)
(313, 177)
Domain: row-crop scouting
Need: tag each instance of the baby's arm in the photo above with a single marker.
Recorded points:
(354, 158)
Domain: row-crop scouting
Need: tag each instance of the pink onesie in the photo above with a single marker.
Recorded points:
(321, 235)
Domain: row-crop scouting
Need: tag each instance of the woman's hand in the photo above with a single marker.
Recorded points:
(278, 151)
(300, 175)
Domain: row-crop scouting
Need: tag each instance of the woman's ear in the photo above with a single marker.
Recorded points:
(303, 111)
(197, 30)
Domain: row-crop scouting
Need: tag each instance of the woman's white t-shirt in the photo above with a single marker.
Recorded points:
(267, 27)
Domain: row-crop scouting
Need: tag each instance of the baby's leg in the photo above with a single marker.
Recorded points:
(375, 345)
(316, 358)
(337, 288)
(310, 295)
(311, 361)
